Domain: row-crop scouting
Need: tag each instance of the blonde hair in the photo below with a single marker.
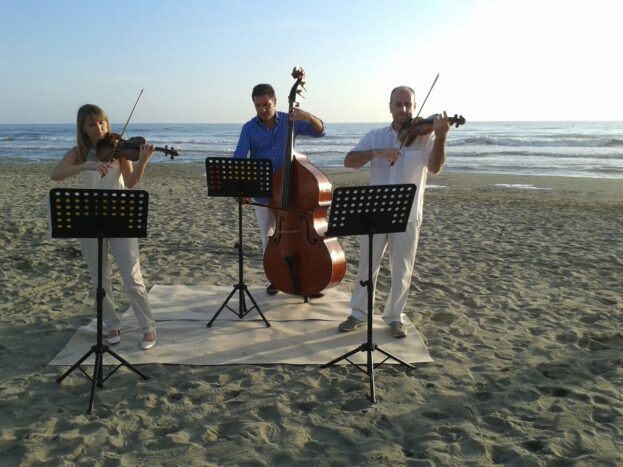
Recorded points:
(84, 112)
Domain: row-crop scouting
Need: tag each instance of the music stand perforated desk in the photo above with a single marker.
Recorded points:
(370, 210)
(85, 213)
(239, 178)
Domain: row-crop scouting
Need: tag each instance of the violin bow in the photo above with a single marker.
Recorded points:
(422, 106)
(125, 126)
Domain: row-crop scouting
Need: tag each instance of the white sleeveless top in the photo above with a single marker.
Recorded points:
(93, 180)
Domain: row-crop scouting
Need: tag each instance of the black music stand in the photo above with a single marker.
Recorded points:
(239, 178)
(370, 210)
(82, 213)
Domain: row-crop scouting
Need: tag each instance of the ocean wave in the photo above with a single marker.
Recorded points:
(194, 142)
(537, 142)
(34, 148)
(321, 152)
(539, 148)
(536, 171)
(567, 156)
(608, 169)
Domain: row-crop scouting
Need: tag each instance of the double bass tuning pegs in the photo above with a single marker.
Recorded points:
(298, 73)
(299, 86)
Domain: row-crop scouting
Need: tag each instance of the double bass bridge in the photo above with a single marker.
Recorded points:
(288, 231)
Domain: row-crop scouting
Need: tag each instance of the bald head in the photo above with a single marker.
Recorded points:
(401, 88)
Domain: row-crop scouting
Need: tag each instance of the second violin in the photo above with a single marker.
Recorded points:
(114, 146)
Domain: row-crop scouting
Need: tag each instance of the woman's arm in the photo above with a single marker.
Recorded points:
(71, 165)
(132, 175)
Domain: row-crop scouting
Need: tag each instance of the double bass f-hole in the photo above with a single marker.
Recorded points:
(310, 239)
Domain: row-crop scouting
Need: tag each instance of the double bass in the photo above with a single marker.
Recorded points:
(299, 259)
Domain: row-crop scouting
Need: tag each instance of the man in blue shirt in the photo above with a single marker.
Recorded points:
(265, 137)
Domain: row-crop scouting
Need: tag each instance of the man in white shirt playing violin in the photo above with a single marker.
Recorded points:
(390, 164)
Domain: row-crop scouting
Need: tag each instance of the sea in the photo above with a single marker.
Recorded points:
(568, 149)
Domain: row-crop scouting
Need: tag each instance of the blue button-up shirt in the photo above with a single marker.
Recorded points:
(261, 142)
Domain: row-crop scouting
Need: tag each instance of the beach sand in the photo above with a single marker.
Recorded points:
(517, 292)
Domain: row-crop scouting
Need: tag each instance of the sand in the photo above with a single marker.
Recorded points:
(517, 293)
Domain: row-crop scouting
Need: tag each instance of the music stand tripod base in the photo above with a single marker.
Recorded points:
(83, 213)
(239, 178)
(368, 211)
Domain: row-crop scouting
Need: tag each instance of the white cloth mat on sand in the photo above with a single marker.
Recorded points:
(299, 333)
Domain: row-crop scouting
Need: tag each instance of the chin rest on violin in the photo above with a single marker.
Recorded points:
(423, 126)
(114, 146)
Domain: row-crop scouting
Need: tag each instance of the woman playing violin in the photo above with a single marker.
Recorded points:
(93, 126)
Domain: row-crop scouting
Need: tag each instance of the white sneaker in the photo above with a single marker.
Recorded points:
(114, 337)
(397, 330)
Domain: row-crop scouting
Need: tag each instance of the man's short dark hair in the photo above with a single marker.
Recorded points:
(263, 90)
(401, 88)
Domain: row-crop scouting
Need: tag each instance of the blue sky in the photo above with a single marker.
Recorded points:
(198, 60)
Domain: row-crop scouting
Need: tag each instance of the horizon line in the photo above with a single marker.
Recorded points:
(327, 122)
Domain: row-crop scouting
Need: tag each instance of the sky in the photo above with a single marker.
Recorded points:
(197, 60)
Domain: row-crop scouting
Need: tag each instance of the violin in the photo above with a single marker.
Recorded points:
(114, 146)
(423, 126)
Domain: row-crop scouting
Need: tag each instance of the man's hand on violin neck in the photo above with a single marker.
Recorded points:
(441, 124)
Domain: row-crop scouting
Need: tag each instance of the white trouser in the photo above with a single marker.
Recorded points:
(266, 221)
(402, 248)
(125, 252)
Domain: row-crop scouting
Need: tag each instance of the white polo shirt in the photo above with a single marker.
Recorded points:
(411, 167)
